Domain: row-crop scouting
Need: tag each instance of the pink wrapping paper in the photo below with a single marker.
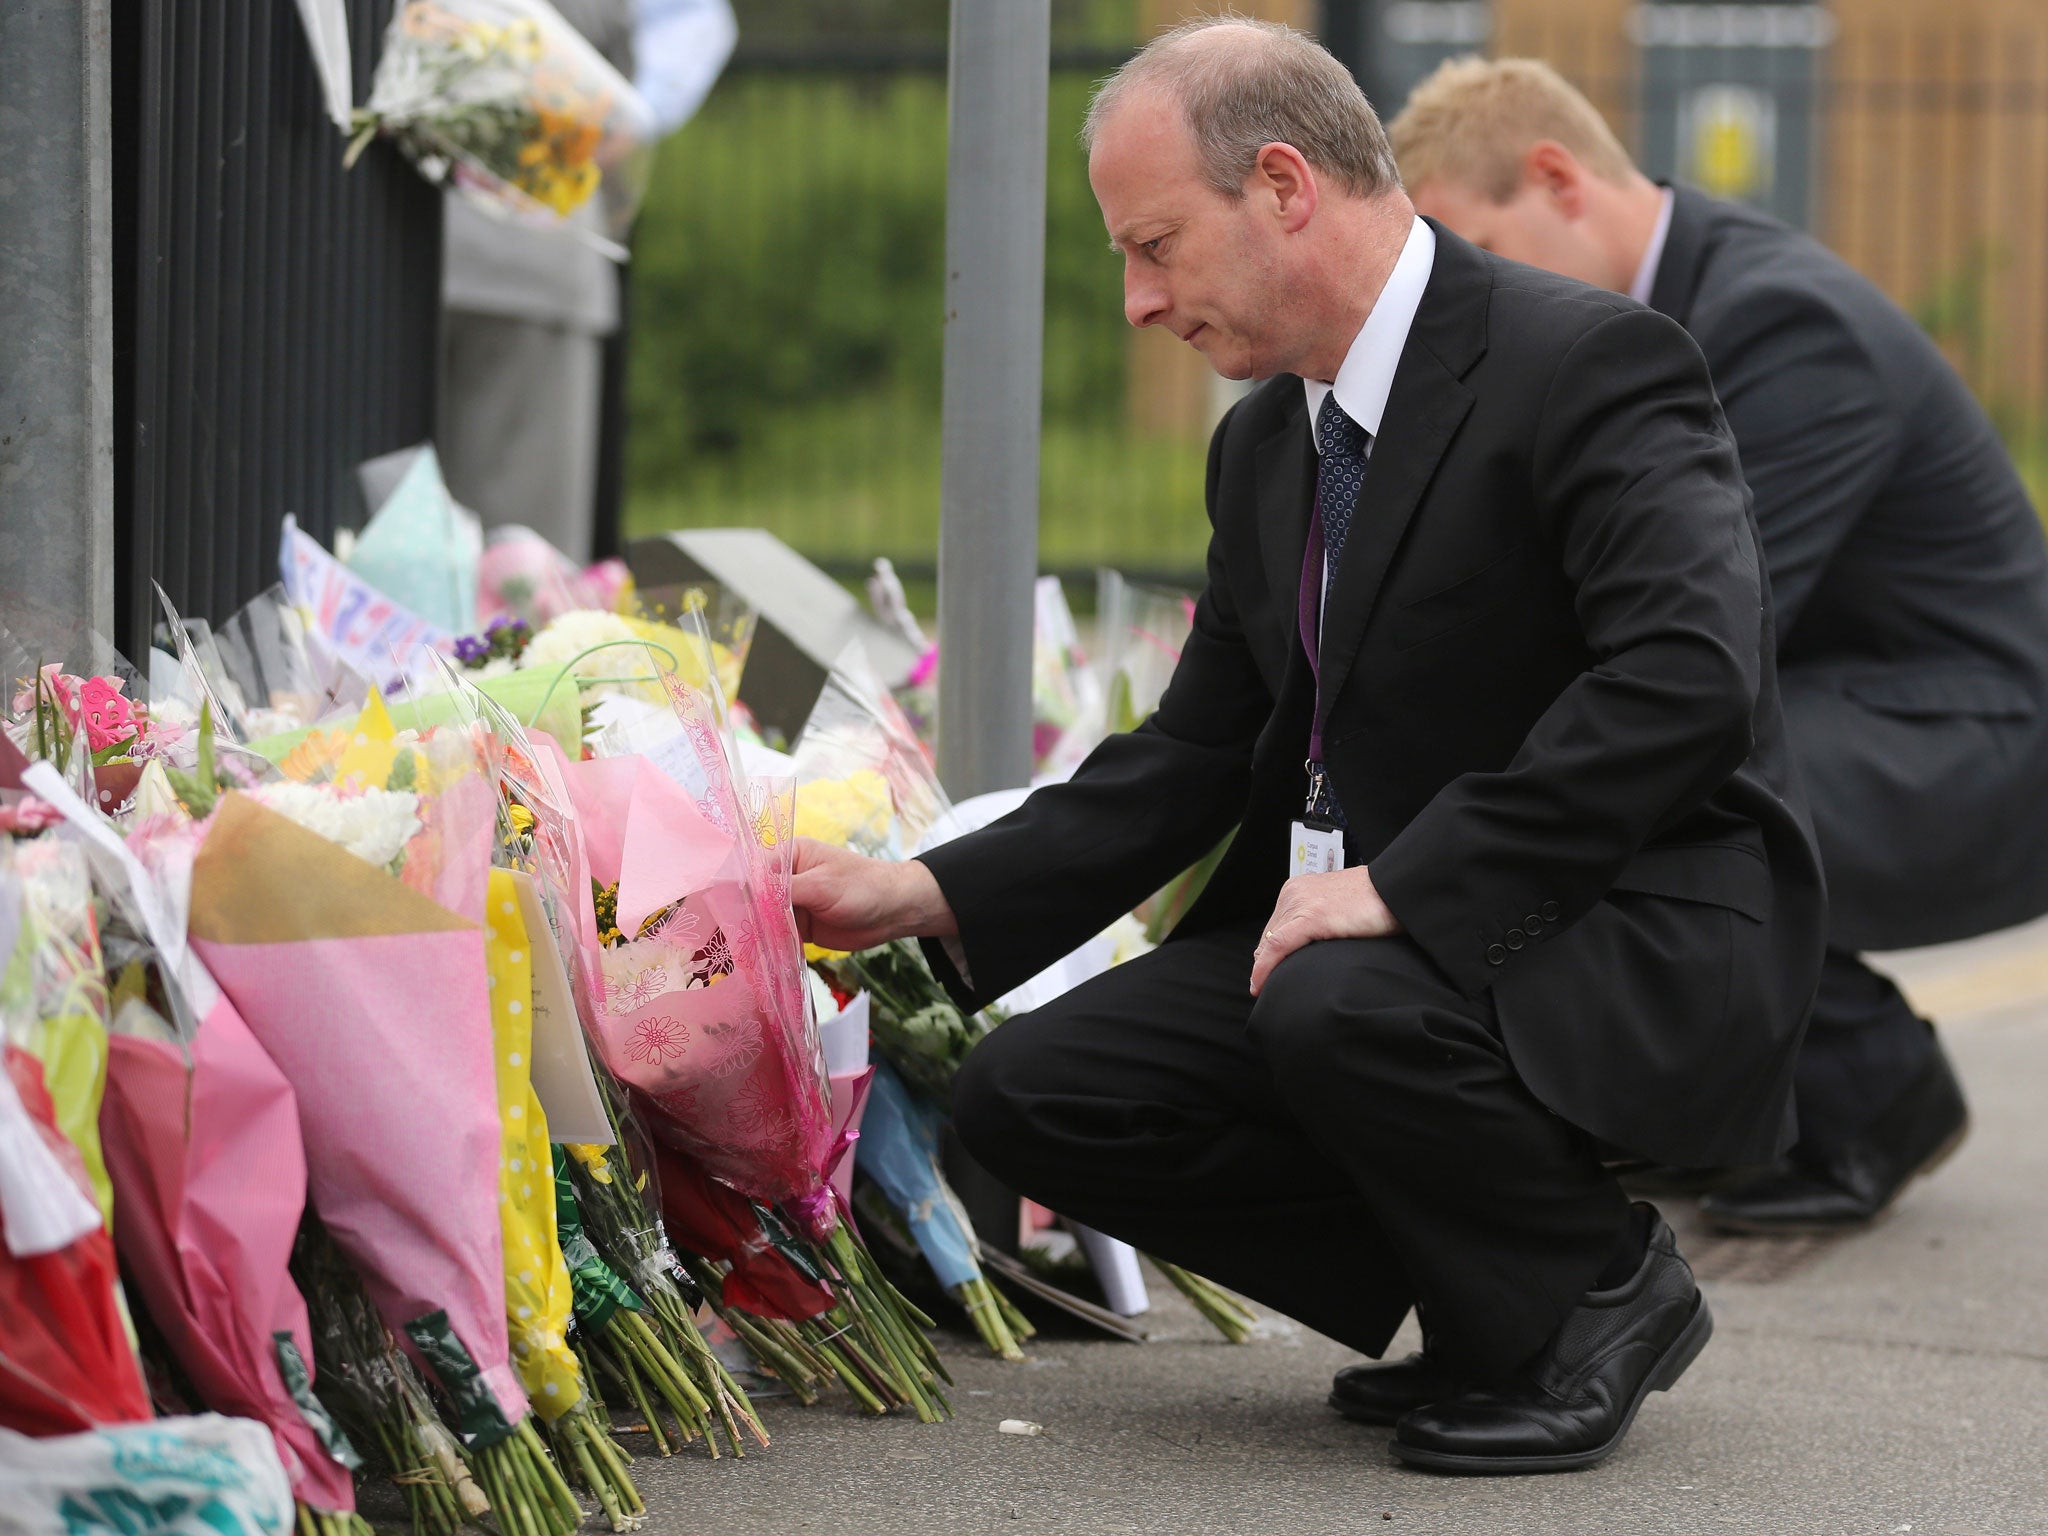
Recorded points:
(849, 1103)
(638, 823)
(707, 1015)
(212, 1182)
(372, 999)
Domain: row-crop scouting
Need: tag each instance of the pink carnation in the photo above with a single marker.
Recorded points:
(29, 816)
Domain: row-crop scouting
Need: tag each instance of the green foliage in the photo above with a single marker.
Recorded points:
(787, 334)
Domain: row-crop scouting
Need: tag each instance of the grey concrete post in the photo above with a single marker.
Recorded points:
(994, 351)
(56, 311)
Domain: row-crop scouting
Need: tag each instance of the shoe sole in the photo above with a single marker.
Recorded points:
(1752, 1226)
(1683, 1351)
(1379, 1418)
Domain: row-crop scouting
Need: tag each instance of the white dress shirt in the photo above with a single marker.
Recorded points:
(1653, 255)
(1367, 373)
(1366, 376)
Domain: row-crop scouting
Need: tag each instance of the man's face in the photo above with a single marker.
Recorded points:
(1536, 225)
(1202, 264)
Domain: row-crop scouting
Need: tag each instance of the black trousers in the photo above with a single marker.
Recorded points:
(1353, 1144)
(1864, 1047)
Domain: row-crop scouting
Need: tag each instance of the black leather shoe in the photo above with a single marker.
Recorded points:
(1380, 1394)
(1572, 1405)
(1839, 1188)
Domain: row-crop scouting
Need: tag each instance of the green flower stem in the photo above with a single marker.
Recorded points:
(1225, 1313)
(802, 1380)
(1021, 1327)
(602, 1467)
(332, 1522)
(597, 1407)
(525, 1506)
(549, 1475)
(691, 1416)
(652, 1349)
(884, 1326)
(854, 1381)
(987, 1317)
(732, 1396)
(509, 1521)
(636, 1392)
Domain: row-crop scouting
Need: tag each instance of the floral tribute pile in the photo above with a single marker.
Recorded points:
(425, 1073)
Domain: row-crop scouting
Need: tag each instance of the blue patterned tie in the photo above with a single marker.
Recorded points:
(1340, 476)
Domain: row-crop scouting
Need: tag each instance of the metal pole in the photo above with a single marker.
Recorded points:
(56, 314)
(994, 350)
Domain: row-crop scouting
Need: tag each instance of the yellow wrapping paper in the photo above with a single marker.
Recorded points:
(537, 1295)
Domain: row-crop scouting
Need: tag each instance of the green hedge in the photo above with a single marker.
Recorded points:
(785, 358)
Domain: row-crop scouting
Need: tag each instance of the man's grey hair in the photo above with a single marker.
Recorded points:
(1243, 84)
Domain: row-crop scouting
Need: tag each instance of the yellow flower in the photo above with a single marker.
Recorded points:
(592, 1158)
(313, 759)
(813, 954)
(520, 817)
(853, 812)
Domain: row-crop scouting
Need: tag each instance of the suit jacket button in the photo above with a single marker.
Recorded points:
(1549, 911)
(1495, 955)
(1516, 938)
(1532, 924)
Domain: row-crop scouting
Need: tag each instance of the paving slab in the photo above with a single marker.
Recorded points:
(1892, 1382)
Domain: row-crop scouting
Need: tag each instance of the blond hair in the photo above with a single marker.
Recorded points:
(1263, 84)
(1471, 122)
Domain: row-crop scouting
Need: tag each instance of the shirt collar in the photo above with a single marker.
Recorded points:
(1367, 373)
(1653, 255)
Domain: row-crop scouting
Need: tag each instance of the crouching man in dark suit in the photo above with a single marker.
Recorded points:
(1482, 556)
(1908, 575)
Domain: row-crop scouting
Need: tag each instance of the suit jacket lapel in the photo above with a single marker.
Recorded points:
(1424, 410)
(1286, 469)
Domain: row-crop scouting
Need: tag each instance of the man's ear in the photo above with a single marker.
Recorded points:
(1283, 175)
(1555, 171)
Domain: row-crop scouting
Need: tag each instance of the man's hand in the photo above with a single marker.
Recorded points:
(1340, 905)
(845, 901)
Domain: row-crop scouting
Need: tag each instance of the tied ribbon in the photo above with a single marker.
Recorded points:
(821, 1209)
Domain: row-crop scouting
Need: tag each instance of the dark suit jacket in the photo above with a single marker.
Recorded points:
(1908, 571)
(1550, 715)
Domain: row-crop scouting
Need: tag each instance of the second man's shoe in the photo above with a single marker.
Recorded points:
(1837, 1189)
(1380, 1394)
(1574, 1403)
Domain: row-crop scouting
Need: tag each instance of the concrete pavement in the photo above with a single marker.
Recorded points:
(1893, 1382)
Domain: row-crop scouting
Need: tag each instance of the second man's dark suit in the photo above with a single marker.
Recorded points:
(1552, 721)
(1910, 581)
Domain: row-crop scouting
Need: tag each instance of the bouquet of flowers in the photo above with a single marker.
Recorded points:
(522, 576)
(372, 1390)
(703, 1009)
(65, 1361)
(347, 925)
(537, 1288)
(651, 1347)
(203, 1139)
(53, 992)
(506, 101)
(94, 727)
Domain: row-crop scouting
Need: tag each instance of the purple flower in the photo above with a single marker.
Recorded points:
(471, 649)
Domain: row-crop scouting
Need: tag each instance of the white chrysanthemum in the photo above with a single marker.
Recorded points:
(373, 824)
(575, 632)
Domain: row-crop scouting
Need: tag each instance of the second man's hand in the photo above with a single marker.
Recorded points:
(1340, 905)
(846, 901)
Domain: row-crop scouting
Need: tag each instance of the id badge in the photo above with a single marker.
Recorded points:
(1316, 847)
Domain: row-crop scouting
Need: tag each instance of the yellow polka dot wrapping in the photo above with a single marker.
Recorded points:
(537, 1296)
